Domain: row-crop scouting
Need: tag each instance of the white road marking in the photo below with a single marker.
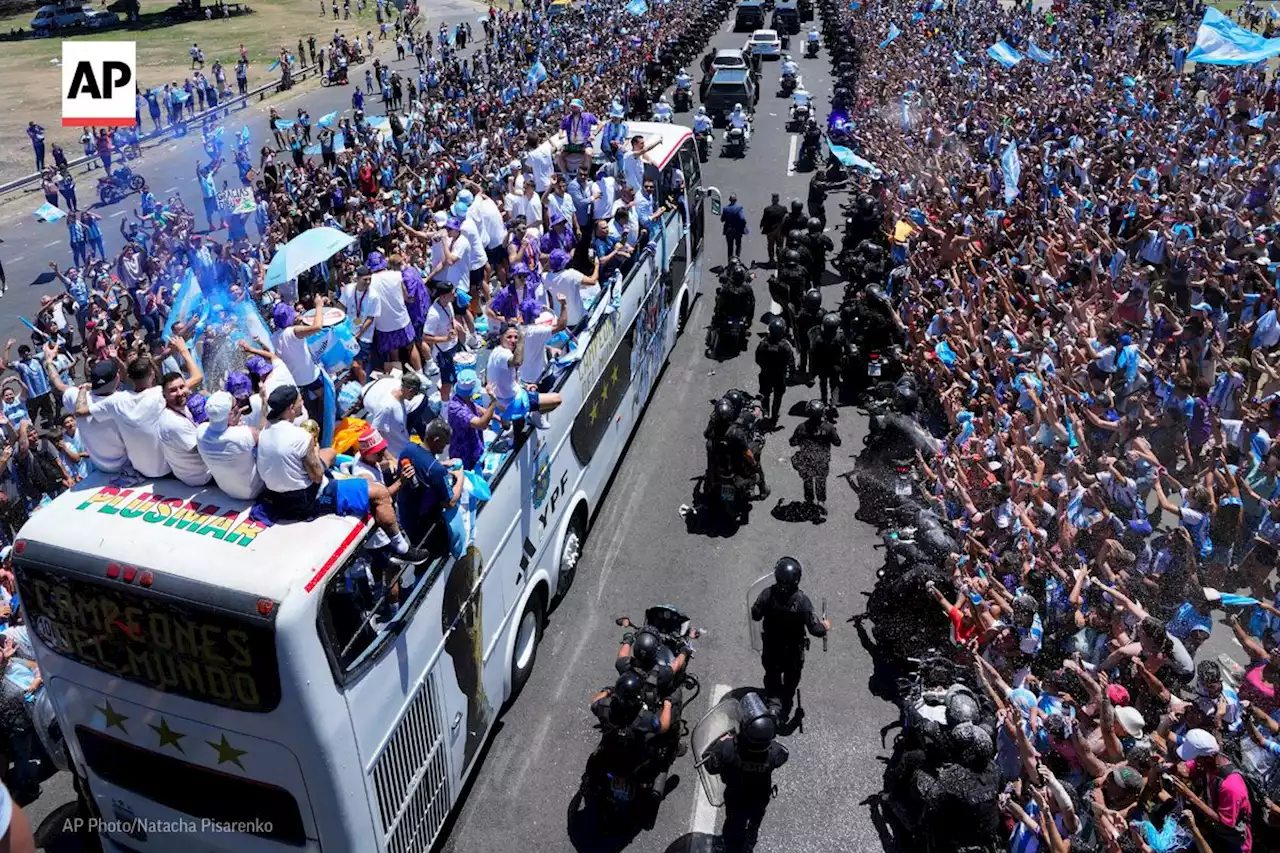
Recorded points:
(704, 814)
(15, 260)
(171, 190)
(119, 213)
(791, 155)
(54, 243)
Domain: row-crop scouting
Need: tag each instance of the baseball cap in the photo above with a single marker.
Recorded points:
(1197, 744)
(377, 262)
(1128, 779)
(258, 366)
(1131, 720)
(1118, 694)
(519, 268)
(371, 441)
(454, 224)
(459, 210)
(576, 102)
(559, 259)
(218, 408)
(103, 374)
(280, 401)
(238, 384)
(466, 197)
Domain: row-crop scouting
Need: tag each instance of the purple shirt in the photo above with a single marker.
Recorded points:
(467, 443)
(557, 240)
(417, 301)
(578, 128)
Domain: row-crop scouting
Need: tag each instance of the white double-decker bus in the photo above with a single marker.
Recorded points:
(219, 686)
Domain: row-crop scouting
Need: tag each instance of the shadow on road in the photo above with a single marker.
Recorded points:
(797, 511)
(57, 833)
(696, 842)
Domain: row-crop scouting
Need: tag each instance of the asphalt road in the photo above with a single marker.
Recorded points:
(28, 245)
(638, 554)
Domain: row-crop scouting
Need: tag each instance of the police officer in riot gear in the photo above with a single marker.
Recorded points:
(818, 245)
(793, 278)
(634, 731)
(787, 613)
(807, 319)
(745, 760)
(747, 421)
(827, 350)
(819, 185)
(734, 299)
(641, 653)
(729, 447)
(795, 218)
(776, 359)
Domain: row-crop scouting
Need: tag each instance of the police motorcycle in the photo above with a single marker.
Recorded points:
(810, 144)
(734, 308)
(682, 97)
(626, 776)
(906, 618)
(725, 490)
(662, 111)
(800, 111)
(812, 44)
(702, 134)
(789, 76)
(941, 783)
(735, 137)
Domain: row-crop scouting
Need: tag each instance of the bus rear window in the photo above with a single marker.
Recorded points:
(155, 640)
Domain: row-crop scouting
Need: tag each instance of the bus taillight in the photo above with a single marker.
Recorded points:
(19, 546)
(129, 574)
(146, 578)
(113, 570)
(265, 606)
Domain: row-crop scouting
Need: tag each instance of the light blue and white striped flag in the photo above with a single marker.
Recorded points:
(1001, 52)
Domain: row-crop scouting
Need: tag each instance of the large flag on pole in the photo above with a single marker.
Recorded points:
(1221, 41)
(1005, 55)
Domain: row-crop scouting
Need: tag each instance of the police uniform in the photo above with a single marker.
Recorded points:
(786, 616)
(775, 360)
(748, 782)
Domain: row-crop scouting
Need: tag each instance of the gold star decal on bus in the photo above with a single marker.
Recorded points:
(226, 752)
(168, 737)
(113, 718)
(613, 380)
(604, 391)
(595, 411)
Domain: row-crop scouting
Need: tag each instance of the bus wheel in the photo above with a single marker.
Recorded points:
(528, 635)
(684, 314)
(570, 555)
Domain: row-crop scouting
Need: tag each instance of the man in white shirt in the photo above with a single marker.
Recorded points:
(177, 433)
(392, 408)
(572, 287)
(101, 439)
(633, 161)
(541, 159)
(604, 192)
(475, 258)
(136, 412)
(536, 332)
(493, 229)
(292, 467)
(290, 341)
(393, 336)
(442, 332)
(529, 206)
(229, 448)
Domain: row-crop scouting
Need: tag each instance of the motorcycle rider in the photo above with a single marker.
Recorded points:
(808, 154)
(800, 97)
(702, 122)
(962, 810)
(639, 653)
(807, 319)
(786, 613)
(662, 110)
(684, 82)
(741, 121)
(621, 710)
(746, 761)
(812, 43)
(776, 359)
(818, 245)
(827, 351)
(789, 67)
(728, 448)
(734, 299)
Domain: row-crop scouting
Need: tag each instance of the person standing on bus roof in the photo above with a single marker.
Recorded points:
(393, 407)
(429, 489)
(293, 466)
(136, 411)
(229, 447)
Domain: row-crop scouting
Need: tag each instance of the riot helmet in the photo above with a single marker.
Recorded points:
(737, 398)
(830, 325)
(815, 225)
(797, 206)
(724, 413)
(786, 573)
(961, 708)
(644, 649)
(813, 299)
(777, 329)
(756, 725)
(814, 409)
(791, 256)
(628, 690)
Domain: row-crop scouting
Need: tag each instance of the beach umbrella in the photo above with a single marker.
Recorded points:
(304, 252)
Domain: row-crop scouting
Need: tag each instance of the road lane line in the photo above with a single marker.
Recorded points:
(791, 156)
(15, 260)
(171, 190)
(119, 213)
(703, 820)
(54, 243)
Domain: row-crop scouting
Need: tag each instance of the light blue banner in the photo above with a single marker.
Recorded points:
(1005, 55)
(1011, 169)
(1039, 55)
(894, 32)
(1220, 41)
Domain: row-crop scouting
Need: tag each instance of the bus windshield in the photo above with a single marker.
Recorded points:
(155, 640)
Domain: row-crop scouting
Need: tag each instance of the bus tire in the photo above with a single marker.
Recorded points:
(684, 314)
(528, 636)
(571, 551)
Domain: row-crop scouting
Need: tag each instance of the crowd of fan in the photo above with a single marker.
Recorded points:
(1099, 345)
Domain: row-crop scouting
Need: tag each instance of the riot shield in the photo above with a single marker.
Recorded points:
(721, 720)
(755, 629)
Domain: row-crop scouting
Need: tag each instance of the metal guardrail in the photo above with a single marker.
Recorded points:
(179, 129)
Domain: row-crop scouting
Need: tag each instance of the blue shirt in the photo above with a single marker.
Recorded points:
(424, 498)
(33, 377)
